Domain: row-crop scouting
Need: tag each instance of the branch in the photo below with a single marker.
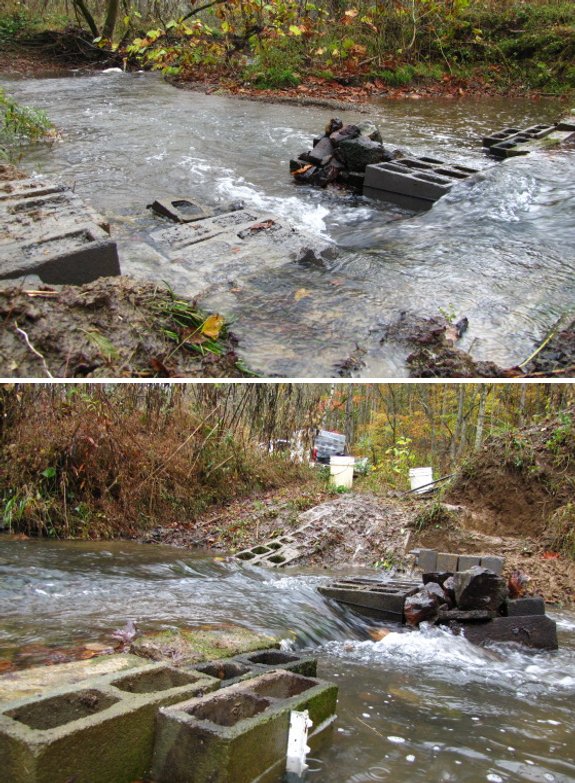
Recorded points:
(195, 11)
(81, 6)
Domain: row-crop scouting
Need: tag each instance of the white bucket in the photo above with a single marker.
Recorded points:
(419, 477)
(341, 471)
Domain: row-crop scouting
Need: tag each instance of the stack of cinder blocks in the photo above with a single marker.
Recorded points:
(117, 728)
(429, 561)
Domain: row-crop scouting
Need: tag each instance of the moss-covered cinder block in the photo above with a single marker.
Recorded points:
(101, 731)
(239, 733)
(279, 659)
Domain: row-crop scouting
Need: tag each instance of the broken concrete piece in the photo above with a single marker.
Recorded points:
(479, 588)
(182, 210)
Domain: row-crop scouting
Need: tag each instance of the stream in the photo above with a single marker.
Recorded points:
(420, 705)
(501, 252)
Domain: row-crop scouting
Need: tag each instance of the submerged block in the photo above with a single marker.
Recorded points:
(238, 734)
(538, 632)
(98, 732)
(415, 183)
(182, 210)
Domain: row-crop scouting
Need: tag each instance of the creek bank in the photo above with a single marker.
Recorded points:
(115, 327)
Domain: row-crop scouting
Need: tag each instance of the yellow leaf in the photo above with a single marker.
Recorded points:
(213, 325)
(295, 30)
(352, 13)
(301, 293)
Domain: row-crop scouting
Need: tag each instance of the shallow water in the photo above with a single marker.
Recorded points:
(501, 252)
(414, 706)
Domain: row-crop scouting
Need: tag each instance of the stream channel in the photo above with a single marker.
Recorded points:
(501, 252)
(417, 706)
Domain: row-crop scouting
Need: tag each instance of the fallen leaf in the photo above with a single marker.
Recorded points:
(301, 293)
(213, 325)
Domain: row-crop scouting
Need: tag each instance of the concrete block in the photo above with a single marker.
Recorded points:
(519, 607)
(468, 561)
(447, 561)
(305, 665)
(183, 210)
(538, 632)
(493, 563)
(427, 560)
(239, 733)
(228, 670)
(75, 258)
(384, 600)
(98, 732)
(414, 183)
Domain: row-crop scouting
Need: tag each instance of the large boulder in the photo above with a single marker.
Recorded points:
(360, 152)
(479, 588)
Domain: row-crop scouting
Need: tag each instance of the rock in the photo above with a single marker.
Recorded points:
(478, 588)
(322, 153)
(357, 153)
(439, 578)
(370, 130)
(347, 132)
(519, 607)
(335, 124)
(449, 587)
(460, 616)
(424, 605)
(329, 173)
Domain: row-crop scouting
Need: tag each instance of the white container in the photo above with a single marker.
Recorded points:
(341, 471)
(419, 477)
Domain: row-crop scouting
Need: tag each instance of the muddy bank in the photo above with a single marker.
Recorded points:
(114, 327)
(361, 530)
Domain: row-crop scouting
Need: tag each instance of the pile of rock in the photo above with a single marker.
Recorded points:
(476, 602)
(342, 155)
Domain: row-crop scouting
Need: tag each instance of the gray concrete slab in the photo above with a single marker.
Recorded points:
(468, 561)
(46, 230)
(447, 561)
(493, 563)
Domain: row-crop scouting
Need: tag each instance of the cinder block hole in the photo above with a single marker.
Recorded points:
(282, 685)
(58, 710)
(260, 550)
(273, 658)
(223, 670)
(277, 559)
(275, 545)
(229, 709)
(150, 682)
(245, 556)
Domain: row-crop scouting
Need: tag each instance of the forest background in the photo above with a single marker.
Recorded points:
(448, 45)
(107, 460)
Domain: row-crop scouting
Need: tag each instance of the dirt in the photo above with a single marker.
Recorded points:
(114, 327)
(364, 530)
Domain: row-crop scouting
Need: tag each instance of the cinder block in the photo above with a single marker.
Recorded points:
(519, 607)
(447, 561)
(493, 563)
(468, 561)
(98, 732)
(305, 665)
(183, 210)
(536, 631)
(239, 734)
(78, 257)
(427, 560)
(228, 670)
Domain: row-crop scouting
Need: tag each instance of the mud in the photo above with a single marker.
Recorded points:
(112, 328)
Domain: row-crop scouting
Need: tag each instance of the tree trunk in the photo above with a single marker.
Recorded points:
(111, 17)
(81, 6)
(480, 417)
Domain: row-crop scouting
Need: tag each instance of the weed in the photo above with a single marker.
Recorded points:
(561, 530)
(436, 516)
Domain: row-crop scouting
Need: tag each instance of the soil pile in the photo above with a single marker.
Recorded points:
(113, 328)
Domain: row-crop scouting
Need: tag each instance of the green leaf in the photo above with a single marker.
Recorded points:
(49, 473)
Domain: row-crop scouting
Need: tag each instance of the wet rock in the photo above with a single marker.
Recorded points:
(460, 616)
(347, 132)
(478, 588)
(370, 130)
(519, 607)
(335, 124)
(438, 578)
(424, 605)
(357, 153)
(322, 153)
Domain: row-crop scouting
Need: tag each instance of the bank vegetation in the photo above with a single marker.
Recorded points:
(484, 45)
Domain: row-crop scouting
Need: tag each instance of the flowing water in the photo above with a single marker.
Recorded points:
(414, 706)
(501, 252)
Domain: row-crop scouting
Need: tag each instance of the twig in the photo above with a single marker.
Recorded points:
(549, 337)
(31, 347)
